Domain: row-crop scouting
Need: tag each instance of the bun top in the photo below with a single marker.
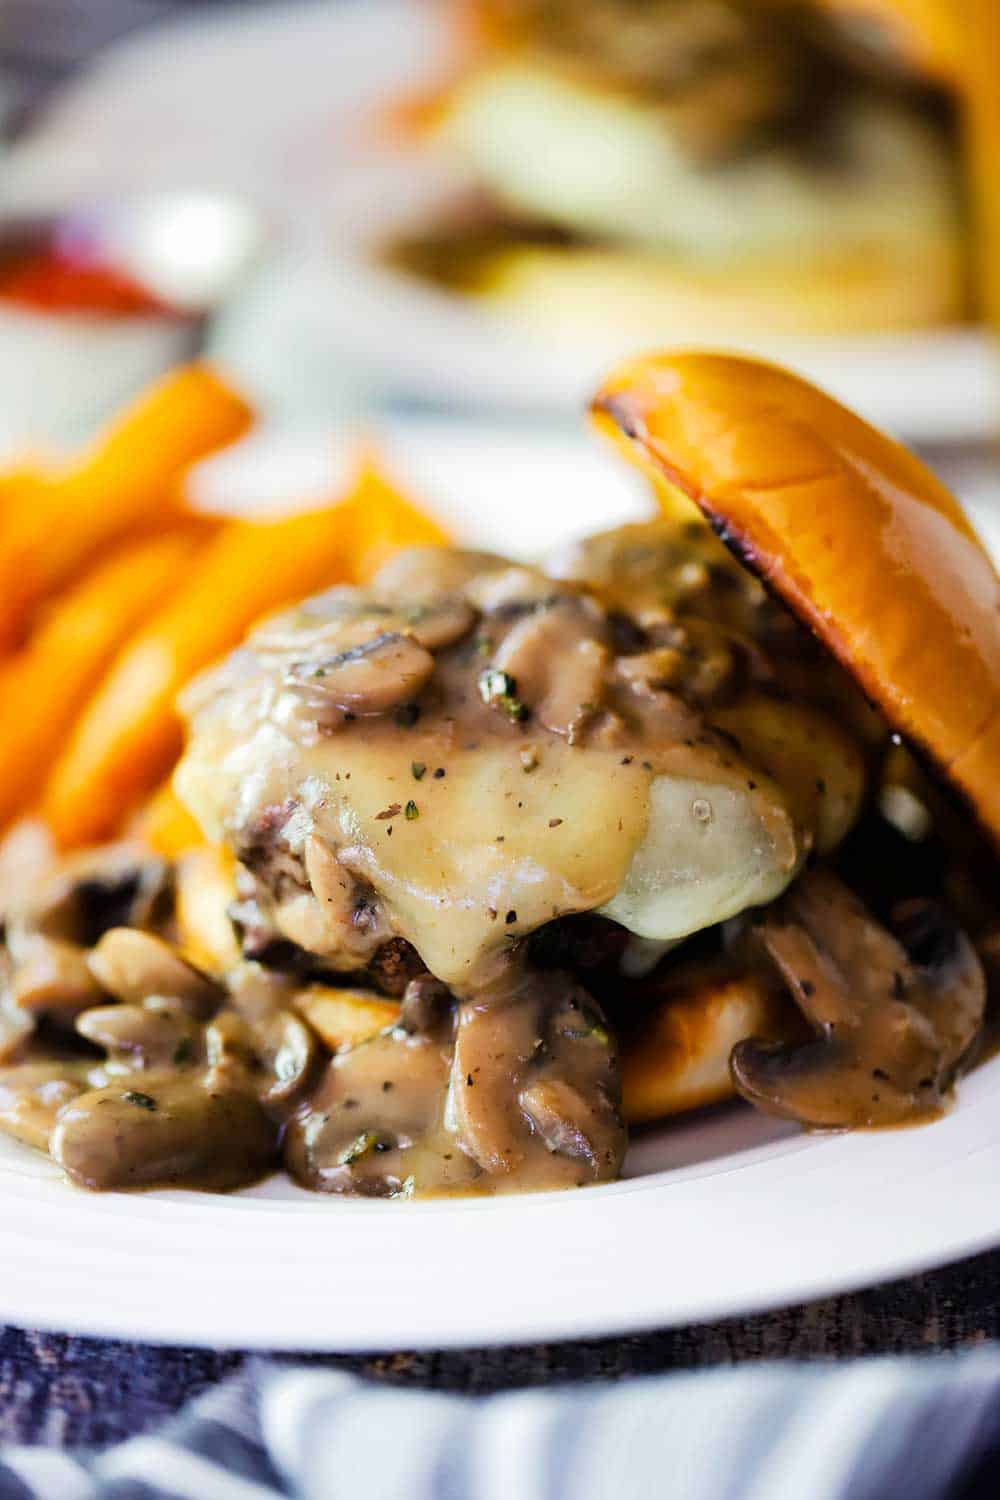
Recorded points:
(851, 530)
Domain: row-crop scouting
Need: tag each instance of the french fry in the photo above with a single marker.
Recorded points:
(344, 1018)
(20, 487)
(205, 890)
(166, 825)
(44, 687)
(386, 520)
(127, 740)
(126, 483)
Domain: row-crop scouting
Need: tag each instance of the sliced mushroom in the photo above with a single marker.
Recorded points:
(259, 993)
(426, 573)
(568, 1123)
(534, 1078)
(133, 965)
(86, 894)
(375, 1122)
(427, 1005)
(353, 923)
(369, 678)
(893, 1015)
(51, 977)
(513, 590)
(273, 1057)
(176, 1130)
(558, 658)
(33, 1093)
(441, 623)
(693, 659)
(157, 1033)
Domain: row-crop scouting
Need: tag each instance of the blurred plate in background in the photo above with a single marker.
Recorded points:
(282, 104)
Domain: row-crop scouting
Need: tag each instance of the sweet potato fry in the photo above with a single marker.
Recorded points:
(44, 687)
(166, 825)
(344, 1018)
(127, 482)
(20, 487)
(130, 734)
(386, 519)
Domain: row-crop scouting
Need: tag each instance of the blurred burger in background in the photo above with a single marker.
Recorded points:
(711, 167)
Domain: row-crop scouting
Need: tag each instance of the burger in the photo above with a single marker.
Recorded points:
(503, 860)
(701, 806)
(691, 168)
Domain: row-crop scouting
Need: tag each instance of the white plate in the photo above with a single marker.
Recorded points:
(193, 104)
(721, 1213)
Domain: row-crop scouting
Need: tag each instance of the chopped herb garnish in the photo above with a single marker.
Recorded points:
(483, 645)
(590, 1029)
(419, 769)
(510, 917)
(499, 690)
(141, 1101)
(412, 811)
(362, 1145)
(439, 773)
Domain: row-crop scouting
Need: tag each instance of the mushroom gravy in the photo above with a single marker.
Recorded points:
(426, 783)
(471, 749)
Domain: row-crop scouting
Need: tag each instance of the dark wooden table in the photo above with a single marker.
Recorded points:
(55, 1389)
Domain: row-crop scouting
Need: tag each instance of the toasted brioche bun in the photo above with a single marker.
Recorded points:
(921, 286)
(677, 1057)
(852, 531)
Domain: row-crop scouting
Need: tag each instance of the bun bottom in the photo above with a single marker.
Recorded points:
(677, 1057)
(877, 290)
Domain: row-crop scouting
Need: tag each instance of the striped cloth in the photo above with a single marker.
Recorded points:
(925, 1428)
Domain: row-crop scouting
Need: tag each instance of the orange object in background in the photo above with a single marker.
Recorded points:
(127, 483)
(384, 520)
(130, 734)
(45, 686)
(983, 133)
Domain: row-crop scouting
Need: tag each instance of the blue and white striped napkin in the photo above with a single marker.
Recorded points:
(925, 1428)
